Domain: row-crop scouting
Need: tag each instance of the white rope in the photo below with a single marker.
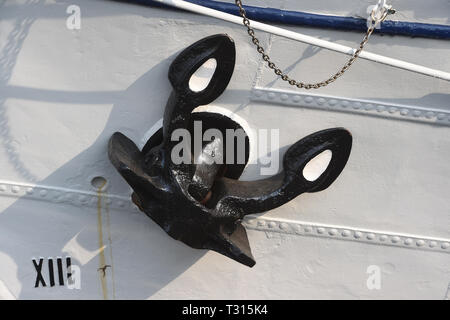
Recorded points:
(308, 39)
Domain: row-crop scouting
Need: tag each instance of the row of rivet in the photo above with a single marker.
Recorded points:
(73, 197)
(90, 199)
(347, 234)
(351, 105)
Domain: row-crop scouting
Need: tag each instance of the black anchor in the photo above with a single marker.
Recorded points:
(201, 203)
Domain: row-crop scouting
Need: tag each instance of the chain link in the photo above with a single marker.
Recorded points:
(285, 77)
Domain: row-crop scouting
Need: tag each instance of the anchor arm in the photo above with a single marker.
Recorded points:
(263, 195)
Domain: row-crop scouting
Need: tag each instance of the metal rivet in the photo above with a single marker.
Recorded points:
(346, 233)
(404, 112)
(357, 105)
(271, 96)
(383, 237)
(332, 232)
(320, 230)
(441, 116)
(15, 189)
(258, 93)
(429, 115)
(370, 236)
(296, 99)
(420, 243)
(358, 234)
(272, 224)
(417, 113)
(332, 102)
(308, 99)
(433, 244)
(284, 97)
(408, 241)
(445, 245)
(395, 239)
(381, 108)
(261, 223)
(284, 226)
(392, 110)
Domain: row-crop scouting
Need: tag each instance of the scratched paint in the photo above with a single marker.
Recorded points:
(108, 228)
(102, 261)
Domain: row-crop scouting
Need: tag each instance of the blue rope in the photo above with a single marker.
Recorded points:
(279, 16)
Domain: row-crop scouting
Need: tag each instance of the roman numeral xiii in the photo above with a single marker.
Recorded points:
(55, 271)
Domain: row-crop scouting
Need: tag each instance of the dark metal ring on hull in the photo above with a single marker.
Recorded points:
(201, 203)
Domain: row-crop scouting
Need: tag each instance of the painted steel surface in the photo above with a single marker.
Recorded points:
(380, 231)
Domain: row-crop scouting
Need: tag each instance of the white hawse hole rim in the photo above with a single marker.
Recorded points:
(317, 165)
(201, 78)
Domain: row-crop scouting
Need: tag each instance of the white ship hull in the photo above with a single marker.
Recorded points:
(380, 231)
